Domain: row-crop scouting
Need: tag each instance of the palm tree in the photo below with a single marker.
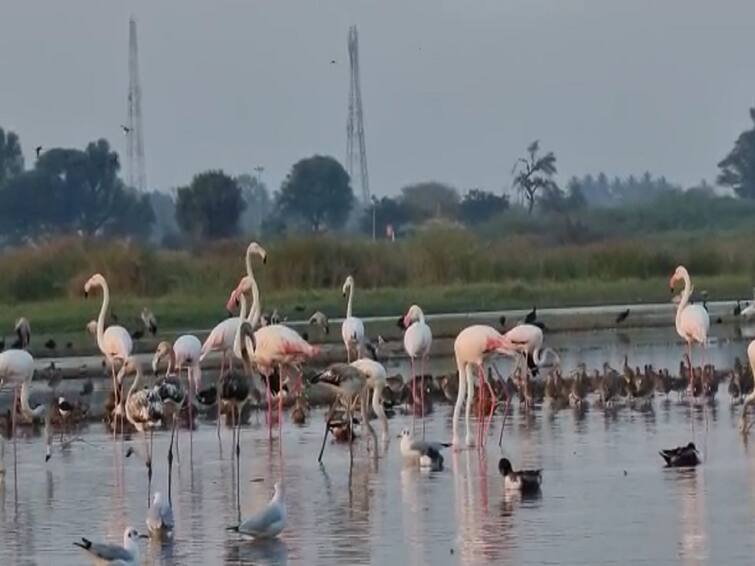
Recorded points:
(533, 173)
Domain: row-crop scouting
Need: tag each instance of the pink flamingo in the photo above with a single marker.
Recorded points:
(692, 321)
(221, 337)
(472, 347)
(114, 341)
(276, 345)
(527, 339)
(417, 341)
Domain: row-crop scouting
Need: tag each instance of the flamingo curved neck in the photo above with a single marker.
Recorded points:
(420, 316)
(256, 311)
(135, 384)
(242, 319)
(26, 409)
(684, 301)
(103, 313)
(351, 297)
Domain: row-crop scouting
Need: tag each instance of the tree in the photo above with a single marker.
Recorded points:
(70, 190)
(210, 207)
(317, 191)
(430, 199)
(738, 168)
(534, 173)
(257, 201)
(11, 157)
(561, 202)
(480, 206)
(388, 211)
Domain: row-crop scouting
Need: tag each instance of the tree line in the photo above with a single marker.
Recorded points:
(80, 191)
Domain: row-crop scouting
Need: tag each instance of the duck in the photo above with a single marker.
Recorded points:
(524, 481)
(681, 456)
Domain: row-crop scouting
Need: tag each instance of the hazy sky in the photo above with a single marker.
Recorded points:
(453, 89)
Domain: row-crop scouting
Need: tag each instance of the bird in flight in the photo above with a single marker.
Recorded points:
(126, 129)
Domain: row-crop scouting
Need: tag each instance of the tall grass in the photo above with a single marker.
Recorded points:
(440, 256)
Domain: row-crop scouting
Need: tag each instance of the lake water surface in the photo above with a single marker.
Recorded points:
(606, 497)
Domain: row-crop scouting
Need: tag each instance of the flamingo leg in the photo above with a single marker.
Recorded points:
(327, 429)
(414, 396)
(493, 402)
(269, 405)
(422, 393)
(470, 399)
(689, 360)
(280, 401)
(480, 408)
(170, 463)
(460, 396)
(13, 413)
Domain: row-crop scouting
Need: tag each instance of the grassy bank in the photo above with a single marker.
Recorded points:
(182, 311)
(443, 269)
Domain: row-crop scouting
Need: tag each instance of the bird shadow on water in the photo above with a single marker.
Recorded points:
(262, 551)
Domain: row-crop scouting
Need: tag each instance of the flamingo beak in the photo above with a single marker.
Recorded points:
(233, 300)
(264, 258)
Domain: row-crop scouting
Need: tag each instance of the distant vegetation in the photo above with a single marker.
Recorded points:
(71, 214)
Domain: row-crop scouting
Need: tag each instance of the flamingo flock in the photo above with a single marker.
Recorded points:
(257, 350)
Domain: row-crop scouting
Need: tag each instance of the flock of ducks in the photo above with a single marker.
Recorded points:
(272, 358)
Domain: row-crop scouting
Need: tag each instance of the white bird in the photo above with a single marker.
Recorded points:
(267, 523)
(22, 329)
(426, 453)
(160, 522)
(749, 310)
(221, 338)
(692, 321)
(527, 340)
(417, 341)
(112, 554)
(149, 320)
(16, 369)
(184, 353)
(320, 319)
(115, 341)
(352, 328)
(377, 381)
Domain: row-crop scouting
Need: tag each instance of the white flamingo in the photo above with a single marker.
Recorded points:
(472, 347)
(221, 337)
(692, 321)
(115, 341)
(16, 369)
(417, 341)
(527, 340)
(352, 328)
(377, 381)
(184, 353)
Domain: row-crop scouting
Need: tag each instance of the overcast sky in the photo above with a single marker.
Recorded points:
(453, 90)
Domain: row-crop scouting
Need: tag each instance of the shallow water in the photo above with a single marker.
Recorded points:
(606, 498)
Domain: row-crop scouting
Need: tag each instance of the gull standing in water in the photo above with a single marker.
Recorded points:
(113, 554)
(267, 523)
(160, 521)
(426, 453)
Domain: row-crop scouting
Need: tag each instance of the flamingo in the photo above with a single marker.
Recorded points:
(472, 347)
(144, 409)
(23, 331)
(751, 397)
(352, 328)
(183, 353)
(16, 368)
(527, 339)
(377, 381)
(692, 321)
(417, 341)
(275, 345)
(221, 337)
(115, 341)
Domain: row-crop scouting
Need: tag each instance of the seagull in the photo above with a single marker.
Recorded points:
(126, 129)
(428, 453)
(681, 457)
(112, 554)
(525, 481)
(160, 521)
(267, 523)
(622, 316)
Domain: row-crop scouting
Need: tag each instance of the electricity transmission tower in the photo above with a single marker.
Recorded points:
(136, 173)
(356, 152)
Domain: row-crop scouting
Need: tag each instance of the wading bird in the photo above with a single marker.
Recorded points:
(352, 328)
(114, 342)
(417, 341)
(692, 321)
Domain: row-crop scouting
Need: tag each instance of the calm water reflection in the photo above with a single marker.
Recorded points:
(606, 498)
